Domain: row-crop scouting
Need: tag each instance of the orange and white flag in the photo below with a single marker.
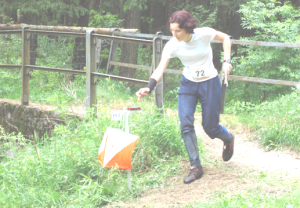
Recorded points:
(116, 149)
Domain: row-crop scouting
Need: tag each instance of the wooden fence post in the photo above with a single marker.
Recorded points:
(112, 54)
(91, 99)
(157, 53)
(25, 61)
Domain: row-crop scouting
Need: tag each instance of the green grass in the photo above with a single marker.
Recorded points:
(262, 200)
(277, 123)
(62, 170)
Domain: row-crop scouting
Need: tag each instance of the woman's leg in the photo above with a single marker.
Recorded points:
(210, 98)
(187, 102)
(186, 109)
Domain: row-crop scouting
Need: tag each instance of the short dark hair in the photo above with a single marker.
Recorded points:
(185, 20)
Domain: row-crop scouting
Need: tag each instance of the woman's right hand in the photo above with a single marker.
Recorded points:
(142, 93)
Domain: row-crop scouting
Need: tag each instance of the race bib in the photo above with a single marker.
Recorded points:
(200, 72)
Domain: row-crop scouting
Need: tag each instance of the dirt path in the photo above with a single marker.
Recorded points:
(250, 154)
(249, 161)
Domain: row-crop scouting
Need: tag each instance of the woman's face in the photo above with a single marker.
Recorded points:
(178, 33)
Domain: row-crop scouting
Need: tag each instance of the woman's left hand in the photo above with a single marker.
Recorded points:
(227, 67)
(142, 93)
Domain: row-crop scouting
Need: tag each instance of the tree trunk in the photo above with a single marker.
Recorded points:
(5, 12)
(130, 50)
(8, 12)
(78, 59)
(265, 96)
(158, 15)
(33, 47)
(296, 3)
(29, 18)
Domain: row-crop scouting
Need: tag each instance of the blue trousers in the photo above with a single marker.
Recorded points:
(208, 93)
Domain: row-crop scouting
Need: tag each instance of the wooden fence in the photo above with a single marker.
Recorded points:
(115, 35)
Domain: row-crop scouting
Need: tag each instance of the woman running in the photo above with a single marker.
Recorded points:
(199, 82)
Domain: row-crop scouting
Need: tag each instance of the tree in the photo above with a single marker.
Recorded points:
(44, 12)
(79, 59)
(272, 22)
(129, 50)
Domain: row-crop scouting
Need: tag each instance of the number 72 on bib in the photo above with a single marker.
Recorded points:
(199, 73)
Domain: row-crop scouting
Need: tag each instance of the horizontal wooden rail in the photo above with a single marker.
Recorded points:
(261, 43)
(66, 71)
(10, 31)
(40, 32)
(142, 35)
(10, 66)
(124, 39)
(265, 81)
(118, 78)
(95, 74)
(134, 66)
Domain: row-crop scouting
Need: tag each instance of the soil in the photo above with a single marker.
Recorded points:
(249, 162)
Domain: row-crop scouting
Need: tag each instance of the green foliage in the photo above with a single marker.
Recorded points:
(11, 49)
(63, 170)
(276, 122)
(8, 19)
(56, 52)
(11, 84)
(144, 59)
(103, 20)
(140, 4)
(171, 98)
(205, 17)
(111, 91)
(157, 131)
(228, 6)
(49, 12)
(272, 22)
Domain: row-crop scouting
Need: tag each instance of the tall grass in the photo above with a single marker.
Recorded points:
(63, 170)
(277, 122)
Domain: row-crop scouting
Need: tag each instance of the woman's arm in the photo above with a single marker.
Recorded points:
(157, 74)
(224, 38)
